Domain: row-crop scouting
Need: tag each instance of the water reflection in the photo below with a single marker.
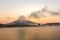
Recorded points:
(22, 33)
(30, 33)
(8, 34)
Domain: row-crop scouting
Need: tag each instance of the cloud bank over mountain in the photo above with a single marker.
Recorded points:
(44, 12)
(39, 13)
(36, 15)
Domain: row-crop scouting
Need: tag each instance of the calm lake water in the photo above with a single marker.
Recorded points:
(30, 33)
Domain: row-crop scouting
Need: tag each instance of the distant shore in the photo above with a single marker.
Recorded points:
(4, 26)
(39, 25)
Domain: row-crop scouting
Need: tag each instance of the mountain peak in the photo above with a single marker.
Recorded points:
(23, 22)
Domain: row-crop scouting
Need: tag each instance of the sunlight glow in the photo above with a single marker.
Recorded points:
(27, 10)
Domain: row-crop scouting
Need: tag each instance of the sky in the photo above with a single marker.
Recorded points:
(14, 8)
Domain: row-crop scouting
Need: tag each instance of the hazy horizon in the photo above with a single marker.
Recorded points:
(40, 11)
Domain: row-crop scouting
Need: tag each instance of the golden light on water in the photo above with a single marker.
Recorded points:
(30, 33)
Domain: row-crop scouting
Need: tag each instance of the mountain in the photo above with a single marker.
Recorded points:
(52, 24)
(22, 22)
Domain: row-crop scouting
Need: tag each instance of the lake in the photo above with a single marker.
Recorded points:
(30, 33)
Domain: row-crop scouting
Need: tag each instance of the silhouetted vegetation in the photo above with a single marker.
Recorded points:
(39, 25)
(6, 25)
(51, 24)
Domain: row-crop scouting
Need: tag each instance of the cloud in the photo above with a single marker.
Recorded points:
(52, 13)
(47, 12)
(40, 13)
(44, 12)
(55, 14)
(35, 15)
(22, 17)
